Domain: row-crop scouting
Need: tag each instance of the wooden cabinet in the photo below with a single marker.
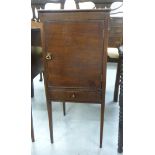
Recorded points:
(75, 55)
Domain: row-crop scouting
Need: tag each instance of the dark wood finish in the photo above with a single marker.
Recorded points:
(115, 32)
(36, 41)
(98, 3)
(64, 108)
(74, 95)
(49, 108)
(41, 78)
(40, 4)
(32, 130)
(120, 135)
(101, 124)
(36, 62)
(116, 40)
(36, 58)
(116, 89)
(115, 36)
(35, 37)
(32, 88)
(103, 79)
(75, 56)
(116, 29)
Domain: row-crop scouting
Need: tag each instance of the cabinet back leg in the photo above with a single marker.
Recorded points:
(32, 131)
(41, 78)
(64, 108)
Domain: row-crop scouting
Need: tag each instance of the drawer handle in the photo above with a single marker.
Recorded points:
(73, 95)
(49, 56)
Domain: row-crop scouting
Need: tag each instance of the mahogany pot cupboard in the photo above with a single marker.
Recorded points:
(74, 44)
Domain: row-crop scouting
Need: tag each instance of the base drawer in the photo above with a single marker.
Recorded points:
(75, 96)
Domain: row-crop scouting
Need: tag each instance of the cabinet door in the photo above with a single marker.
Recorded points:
(76, 50)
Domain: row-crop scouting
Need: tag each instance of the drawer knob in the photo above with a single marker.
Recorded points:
(73, 95)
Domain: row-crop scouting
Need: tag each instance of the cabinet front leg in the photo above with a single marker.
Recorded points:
(50, 119)
(101, 124)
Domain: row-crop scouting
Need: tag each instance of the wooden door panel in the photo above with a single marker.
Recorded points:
(76, 58)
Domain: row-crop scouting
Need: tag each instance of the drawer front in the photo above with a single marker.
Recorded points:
(75, 96)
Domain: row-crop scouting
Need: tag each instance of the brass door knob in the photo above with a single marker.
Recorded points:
(49, 56)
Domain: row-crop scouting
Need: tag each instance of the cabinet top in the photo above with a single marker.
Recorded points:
(74, 15)
(75, 10)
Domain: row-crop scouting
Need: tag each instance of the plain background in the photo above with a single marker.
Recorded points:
(15, 74)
